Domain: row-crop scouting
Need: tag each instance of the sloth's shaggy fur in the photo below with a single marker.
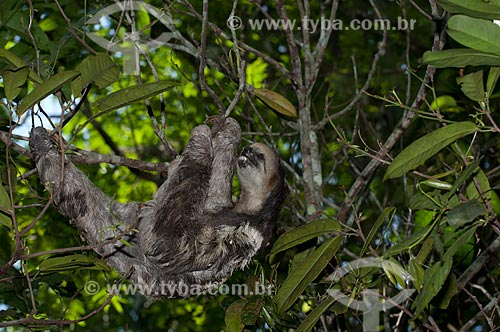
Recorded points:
(190, 235)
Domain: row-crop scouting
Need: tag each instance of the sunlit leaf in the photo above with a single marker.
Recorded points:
(305, 272)
(276, 102)
(99, 69)
(444, 103)
(132, 94)
(51, 85)
(425, 147)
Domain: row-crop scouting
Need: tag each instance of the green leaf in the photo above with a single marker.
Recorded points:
(481, 9)
(426, 146)
(417, 272)
(99, 69)
(478, 34)
(460, 57)
(484, 184)
(458, 243)
(395, 272)
(71, 262)
(450, 291)
(17, 62)
(304, 233)
(388, 212)
(305, 272)
(308, 324)
(251, 311)
(472, 85)
(412, 241)
(492, 80)
(471, 169)
(132, 94)
(6, 206)
(465, 213)
(276, 102)
(434, 277)
(53, 84)
(13, 80)
(443, 103)
(233, 316)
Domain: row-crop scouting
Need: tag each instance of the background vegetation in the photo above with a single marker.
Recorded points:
(388, 136)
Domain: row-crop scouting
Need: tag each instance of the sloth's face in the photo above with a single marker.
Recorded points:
(258, 169)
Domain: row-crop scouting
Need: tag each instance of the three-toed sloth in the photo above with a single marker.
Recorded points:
(190, 236)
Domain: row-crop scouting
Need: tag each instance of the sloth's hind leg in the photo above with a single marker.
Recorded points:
(97, 216)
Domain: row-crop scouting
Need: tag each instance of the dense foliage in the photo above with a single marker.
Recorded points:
(388, 135)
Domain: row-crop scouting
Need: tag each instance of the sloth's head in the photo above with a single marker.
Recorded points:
(259, 174)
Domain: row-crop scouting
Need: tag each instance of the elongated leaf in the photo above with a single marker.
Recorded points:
(417, 272)
(305, 272)
(13, 80)
(17, 62)
(395, 272)
(435, 276)
(478, 34)
(48, 87)
(412, 241)
(5, 205)
(471, 169)
(132, 94)
(492, 80)
(276, 102)
(465, 213)
(460, 242)
(99, 69)
(460, 57)
(450, 291)
(71, 262)
(378, 223)
(304, 233)
(426, 146)
(308, 323)
(233, 316)
(480, 9)
(472, 85)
